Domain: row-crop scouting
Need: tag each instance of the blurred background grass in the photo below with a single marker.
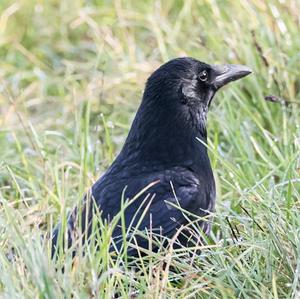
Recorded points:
(72, 75)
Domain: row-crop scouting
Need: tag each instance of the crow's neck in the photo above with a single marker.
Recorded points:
(167, 137)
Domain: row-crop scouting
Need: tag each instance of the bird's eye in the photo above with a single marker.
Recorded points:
(203, 76)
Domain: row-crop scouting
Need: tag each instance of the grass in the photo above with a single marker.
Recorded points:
(72, 74)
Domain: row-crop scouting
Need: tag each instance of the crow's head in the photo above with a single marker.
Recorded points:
(173, 111)
(190, 83)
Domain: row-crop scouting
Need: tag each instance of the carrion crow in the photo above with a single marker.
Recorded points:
(164, 155)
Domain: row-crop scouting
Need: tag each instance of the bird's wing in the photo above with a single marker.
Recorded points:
(164, 207)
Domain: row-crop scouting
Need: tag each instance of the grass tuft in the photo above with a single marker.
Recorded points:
(71, 78)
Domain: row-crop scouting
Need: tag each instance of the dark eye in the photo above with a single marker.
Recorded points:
(203, 76)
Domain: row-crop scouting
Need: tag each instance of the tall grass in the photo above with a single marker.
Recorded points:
(71, 77)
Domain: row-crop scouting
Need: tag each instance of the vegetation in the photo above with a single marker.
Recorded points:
(72, 74)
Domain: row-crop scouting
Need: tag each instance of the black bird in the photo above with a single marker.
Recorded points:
(165, 150)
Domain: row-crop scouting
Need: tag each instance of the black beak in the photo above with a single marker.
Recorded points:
(229, 72)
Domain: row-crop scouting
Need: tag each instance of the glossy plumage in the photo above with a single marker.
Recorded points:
(166, 148)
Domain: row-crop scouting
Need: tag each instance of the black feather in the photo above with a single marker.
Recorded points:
(165, 145)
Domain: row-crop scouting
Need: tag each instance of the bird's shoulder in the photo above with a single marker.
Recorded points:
(169, 184)
(143, 176)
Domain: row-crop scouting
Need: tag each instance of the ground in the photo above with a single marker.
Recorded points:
(72, 75)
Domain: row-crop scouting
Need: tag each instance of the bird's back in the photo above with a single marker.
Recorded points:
(158, 199)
